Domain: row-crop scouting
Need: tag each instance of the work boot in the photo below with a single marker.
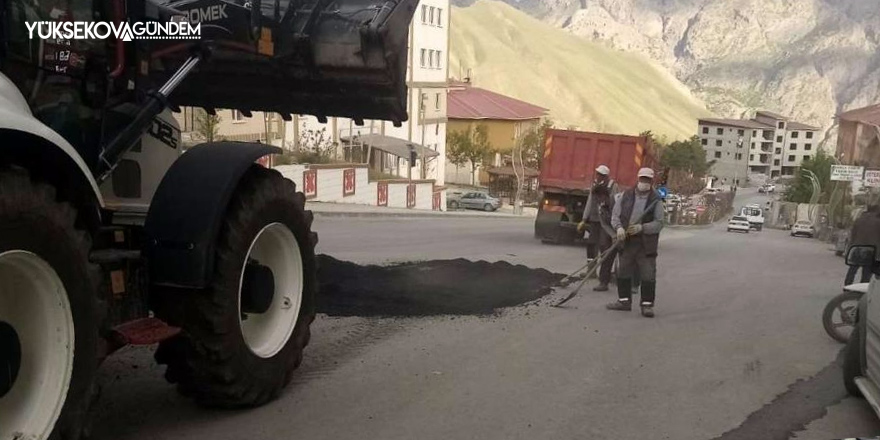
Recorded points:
(648, 310)
(601, 288)
(622, 306)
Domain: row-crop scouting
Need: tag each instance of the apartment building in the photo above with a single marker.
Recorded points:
(768, 144)
(425, 129)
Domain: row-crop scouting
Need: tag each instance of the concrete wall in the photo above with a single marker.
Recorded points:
(330, 180)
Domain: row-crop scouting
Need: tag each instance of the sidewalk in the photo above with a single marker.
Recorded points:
(323, 209)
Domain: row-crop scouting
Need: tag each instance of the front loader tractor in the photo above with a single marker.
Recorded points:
(112, 235)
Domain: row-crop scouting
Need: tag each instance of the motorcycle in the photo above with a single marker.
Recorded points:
(839, 316)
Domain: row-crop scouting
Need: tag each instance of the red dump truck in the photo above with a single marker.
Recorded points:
(568, 170)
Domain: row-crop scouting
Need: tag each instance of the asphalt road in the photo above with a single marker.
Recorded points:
(737, 351)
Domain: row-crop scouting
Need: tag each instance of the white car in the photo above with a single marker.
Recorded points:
(738, 223)
(804, 228)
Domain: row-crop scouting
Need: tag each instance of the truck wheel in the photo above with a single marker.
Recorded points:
(852, 363)
(49, 313)
(244, 335)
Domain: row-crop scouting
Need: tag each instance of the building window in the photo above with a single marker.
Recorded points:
(718, 143)
(720, 131)
(754, 133)
(436, 129)
(779, 139)
(751, 157)
(440, 17)
(431, 58)
(776, 162)
(422, 101)
(792, 146)
(809, 135)
(741, 132)
(431, 14)
(794, 134)
(718, 155)
(705, 130)
(424, 13)
(781, 125)
(779, 151)
(807, 157)
(754, 147)
(705, 141)
(439, 52)
(808, 147)
(791, 158)
(237, 116)
(739, 156)
(423, 57)
(437, 101)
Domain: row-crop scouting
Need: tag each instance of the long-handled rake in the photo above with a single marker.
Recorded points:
(591, 269)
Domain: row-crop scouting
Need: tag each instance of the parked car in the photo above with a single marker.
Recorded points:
(738, 223)
(475, 200)
(804, 228)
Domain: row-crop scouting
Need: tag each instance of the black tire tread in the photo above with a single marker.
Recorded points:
(206, 360)
(828, 313)
(36, 202)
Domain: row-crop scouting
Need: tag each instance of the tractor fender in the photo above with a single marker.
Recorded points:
(24, 138)
(186, 213)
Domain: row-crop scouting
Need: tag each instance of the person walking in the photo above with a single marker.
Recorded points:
(865, 232)
(597, 215)
(637, 221)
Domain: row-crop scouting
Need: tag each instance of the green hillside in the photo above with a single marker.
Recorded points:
(583, 84)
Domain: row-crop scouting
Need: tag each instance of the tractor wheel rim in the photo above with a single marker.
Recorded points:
(34, 303)
(267, 333)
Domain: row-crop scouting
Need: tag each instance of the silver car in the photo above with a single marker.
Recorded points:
(476, 200)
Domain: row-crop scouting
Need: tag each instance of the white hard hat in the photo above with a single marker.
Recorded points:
(646, 172)
(603, 170)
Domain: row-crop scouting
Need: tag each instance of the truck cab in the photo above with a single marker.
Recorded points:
(755, 215)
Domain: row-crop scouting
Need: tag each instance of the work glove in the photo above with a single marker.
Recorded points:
(635, 229)
(582, 226)
(621, 234)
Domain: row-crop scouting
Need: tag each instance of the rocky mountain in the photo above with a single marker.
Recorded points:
(810, 59)
(584, 84)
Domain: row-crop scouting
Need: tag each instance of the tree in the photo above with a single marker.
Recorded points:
(206, 125)
(687, 165)
(470, 146)
(801, 189)
(532, 144)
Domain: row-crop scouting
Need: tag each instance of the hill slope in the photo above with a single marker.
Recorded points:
(583, 84)
(809, 59)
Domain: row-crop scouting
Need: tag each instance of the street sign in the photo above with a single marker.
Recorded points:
(663, 192)
(846, 173)
(872, 178)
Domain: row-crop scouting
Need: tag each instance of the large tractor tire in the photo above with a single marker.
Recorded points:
(49, 313)
(240, 344)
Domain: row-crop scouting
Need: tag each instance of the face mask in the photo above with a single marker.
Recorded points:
(644, 187)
